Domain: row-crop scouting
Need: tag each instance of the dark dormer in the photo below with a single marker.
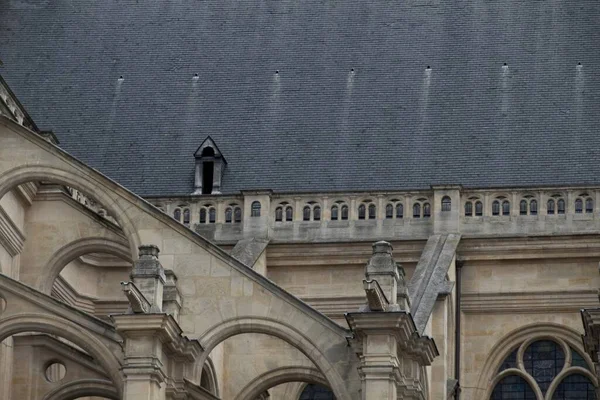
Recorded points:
(210, 165)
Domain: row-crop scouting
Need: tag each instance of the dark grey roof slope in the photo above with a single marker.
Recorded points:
(316, 125)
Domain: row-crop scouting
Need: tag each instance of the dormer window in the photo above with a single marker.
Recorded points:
(210, 165)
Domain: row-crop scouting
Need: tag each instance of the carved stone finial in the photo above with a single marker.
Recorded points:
(148, 250)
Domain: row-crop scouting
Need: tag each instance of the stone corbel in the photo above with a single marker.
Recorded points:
(376, 300)
(137, 301)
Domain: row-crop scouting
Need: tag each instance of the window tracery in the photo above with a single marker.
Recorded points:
(339, 211)
(421, 208)
(311, 211)
(233, 213)
(208, 214)
(394, 209)
(284, 211)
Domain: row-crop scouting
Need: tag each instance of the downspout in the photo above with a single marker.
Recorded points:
(459, 265)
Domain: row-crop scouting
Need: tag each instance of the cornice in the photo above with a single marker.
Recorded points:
(528, 302)
(11, 237)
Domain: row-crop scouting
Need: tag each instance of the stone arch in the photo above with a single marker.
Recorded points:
(75, 249)
(83, 388)
(213, 384)
(64, 328)
(281, 330)
(514, 338)
(29, 173)
(275, 377)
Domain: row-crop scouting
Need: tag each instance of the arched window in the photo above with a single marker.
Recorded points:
(212, 215)
(550, 207)
(372, 211)
(228, 215)
(237, 214)
(316, 213)
(177, 214)
(589, 205)
(289, 213)
(279, 214)
(416, 210)
(468, 209)
(306, 213)
(478, 209)
(505, 207)
(533, 207)
(389, 211)
(203, 215)
(399, 210)
(544, 360)
(186, 216)
(316, 392)
(255, 209)
(496, 207)
(578, 206)
(344, 212)
(361, 211)
(560, 205)
(523, 207)
(426, 210)
(446, 204)
(334, 213)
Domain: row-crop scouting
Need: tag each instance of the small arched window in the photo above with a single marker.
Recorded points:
(426, 210)
(446, 204)
(523, 207)
(560, 205)
(533, 207)
(237, 214)
(203, 215)
(255, 209)
(334, 213)
(417, 210)
(468, 209)
(317, 213)
(505, 207)
(212, 215)
(289, 213)
(362, 211)
(228, 215)
(306, 213)
(186, 216)
(589, 205)
(550, 207)
(372, 211)
(279, 214)
(177, 214)
(389, 211)
(399, 210)
(478, 209)
(496, 207)
(578, 206)
(344, 212)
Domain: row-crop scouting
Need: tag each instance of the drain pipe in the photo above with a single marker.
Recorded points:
(459, 265)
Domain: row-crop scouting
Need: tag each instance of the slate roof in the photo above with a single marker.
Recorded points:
(315, 125)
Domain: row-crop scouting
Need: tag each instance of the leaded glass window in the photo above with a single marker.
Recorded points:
(523, 207)
(510, 361)
(344, 213)
(334, 213)
(306, 213)
(468, 209)
(426, 210)
(533, 207)
(478, 209)
(203, 215)
(237, 214)
(362, 210)
(513, 387)
(279, 214)
(496, 207)
(228, 215)
(212, 215)
(578, 206)
(289, 213)
(389, 211)
(255, 209)
(543, 360)
(505, 208)
(317, 213)
(316, 392)
(550, 207)
(186, 216)
(417, 211)
(372, 211)
(446, 204)
(399, 210)
(561, 206)
(575, 387)
(589, 205)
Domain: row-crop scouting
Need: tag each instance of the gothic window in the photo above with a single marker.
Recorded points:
(177, 214)
(186, 216)
(361, 211)
(560, 205)
(255, 209)
(316, 392)
(468, 209)
(550, 207)
(496, 207)
(578, 206)
(372, 211)
(417, 210)
(228, 215)
(316, 213)
(289, 213)
(279, 214)
(334, 213)
(546, 362)
(478, 209)
(389, 211)
(237, 214)
(523, 207)
(344, 212)
(446, 203)
(589, 205)
(505, 207)
(533, 209)
(306, 213)
(212, 215)
(426, 210)
(399, 210)
(203, 215)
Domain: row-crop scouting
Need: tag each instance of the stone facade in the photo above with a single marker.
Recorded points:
(106, 295)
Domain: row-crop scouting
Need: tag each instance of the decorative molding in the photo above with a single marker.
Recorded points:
(11, 237)
(100, 308)
(528, 302)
